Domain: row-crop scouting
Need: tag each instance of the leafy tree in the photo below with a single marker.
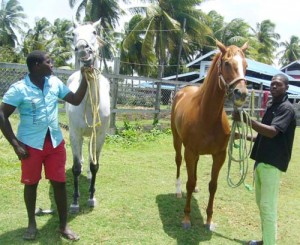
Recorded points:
(109, 12)
(159, 32)
(133, 59)
(12, 19)
(268, 41)
(10, 55)
(235, 32)
(169, 26)
(61, 42)
(38, 37)
(290, 52)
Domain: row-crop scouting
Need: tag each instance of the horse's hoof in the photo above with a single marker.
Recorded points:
(211, 227)
(179, 195)
(74, 208)
(186, 224)
(92, 202)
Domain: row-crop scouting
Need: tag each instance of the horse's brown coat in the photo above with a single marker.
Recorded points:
(199, 122)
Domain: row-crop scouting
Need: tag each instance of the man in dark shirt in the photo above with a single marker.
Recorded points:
(272, 152)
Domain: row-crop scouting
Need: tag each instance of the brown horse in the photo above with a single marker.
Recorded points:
(199, 122)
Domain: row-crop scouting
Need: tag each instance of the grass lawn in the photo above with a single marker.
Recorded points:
(136, 202)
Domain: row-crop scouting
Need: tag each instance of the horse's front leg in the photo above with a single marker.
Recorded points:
(95, 148)
(191, 160)
(76, 170)
(218, 161)
(177, 143)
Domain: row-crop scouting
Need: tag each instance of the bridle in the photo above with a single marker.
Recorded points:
(228, 86)
(89, 50)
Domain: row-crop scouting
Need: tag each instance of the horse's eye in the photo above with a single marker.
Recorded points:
(94, 32)
(86, 45)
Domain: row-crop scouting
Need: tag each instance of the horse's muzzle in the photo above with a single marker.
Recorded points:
(239, 97)
(85, 56)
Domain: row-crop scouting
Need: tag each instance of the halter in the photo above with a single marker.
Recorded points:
(89, 49)
(228, 86)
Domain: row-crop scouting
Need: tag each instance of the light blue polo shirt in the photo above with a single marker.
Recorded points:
(38, 110)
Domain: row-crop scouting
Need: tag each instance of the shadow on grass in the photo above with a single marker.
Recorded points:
(238, 241)
(48, 233)
(171, 211)
(171, 214)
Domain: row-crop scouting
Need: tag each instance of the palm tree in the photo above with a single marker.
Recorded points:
(109, 12)
(236, 32)
(10, 55)
(291, 51)
(61, 42)
(216, 23)
(159, 32)
(38, 37)
(12, 19)
(268, 40)
(163, 31)
(132, 59)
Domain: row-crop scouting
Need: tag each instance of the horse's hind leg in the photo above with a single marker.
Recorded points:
(177, 143)
(218, 161)
(76, 170)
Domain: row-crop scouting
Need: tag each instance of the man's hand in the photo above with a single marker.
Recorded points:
(21, 150)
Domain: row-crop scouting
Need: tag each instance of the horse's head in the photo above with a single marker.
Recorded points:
(232, 69)
(86, 42)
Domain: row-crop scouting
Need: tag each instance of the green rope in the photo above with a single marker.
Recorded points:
(240, 144)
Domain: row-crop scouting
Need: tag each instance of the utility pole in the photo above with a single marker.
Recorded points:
(180, 48)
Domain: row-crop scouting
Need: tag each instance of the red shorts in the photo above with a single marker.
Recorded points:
(53, 159)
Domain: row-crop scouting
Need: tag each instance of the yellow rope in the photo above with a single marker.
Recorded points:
(243, 130)
(92, 77)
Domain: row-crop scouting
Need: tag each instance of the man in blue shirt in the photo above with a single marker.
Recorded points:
(39, 140)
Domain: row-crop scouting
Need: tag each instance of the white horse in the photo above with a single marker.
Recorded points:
(91, 117)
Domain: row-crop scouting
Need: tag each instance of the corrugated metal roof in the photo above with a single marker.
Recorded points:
(253, 65)
(262, 68)
(295, 62)
(197, 61)
(292, 89)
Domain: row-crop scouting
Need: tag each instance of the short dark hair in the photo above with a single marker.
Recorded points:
(283, 77)
(35, 57)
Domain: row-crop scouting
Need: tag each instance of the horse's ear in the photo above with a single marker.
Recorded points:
(95, 24)
(221, 46)
(244, 47)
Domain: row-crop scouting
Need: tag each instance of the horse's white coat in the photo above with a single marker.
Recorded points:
(81, 117)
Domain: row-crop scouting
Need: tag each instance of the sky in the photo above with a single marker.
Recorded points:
(285, 14)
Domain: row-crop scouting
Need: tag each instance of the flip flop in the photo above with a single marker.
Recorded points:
(29, 235)
(70, 235)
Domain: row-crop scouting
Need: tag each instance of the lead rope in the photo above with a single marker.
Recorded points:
(92, 76)
(243, 129)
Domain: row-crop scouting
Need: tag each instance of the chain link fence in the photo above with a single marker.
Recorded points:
(132, 98)
(142, 100)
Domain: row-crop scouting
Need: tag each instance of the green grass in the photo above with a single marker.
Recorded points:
(136, 202)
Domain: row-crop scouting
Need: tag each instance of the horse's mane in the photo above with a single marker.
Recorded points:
(210, 70)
